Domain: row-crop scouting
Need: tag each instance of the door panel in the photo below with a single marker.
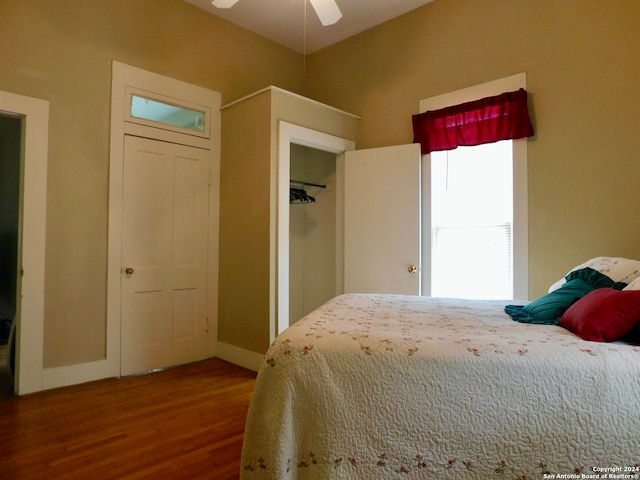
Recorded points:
(165, 224)
(382, 231)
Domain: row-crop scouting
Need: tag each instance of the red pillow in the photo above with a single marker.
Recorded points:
(603, 315)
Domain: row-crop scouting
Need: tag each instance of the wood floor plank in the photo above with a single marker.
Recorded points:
(183, 423)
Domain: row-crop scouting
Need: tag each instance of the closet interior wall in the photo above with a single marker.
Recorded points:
(312, 232)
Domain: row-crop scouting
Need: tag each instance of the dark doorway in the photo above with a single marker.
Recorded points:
(10, 161)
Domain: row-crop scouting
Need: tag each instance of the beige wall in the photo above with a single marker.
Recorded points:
(62, 51)
(581, 59)
(245, 196)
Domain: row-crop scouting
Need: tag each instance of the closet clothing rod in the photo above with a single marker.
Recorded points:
(299, 182)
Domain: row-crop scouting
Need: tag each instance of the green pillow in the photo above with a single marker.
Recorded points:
(594, 278)
(548, 309)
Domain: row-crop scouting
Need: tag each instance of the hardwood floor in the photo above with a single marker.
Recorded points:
(182, 423)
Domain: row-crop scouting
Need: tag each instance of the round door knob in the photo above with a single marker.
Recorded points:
(128, 270)
(412, 269)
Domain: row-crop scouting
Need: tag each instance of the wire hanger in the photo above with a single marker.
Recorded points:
(298, 193)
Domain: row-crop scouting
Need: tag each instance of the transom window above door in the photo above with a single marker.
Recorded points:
(161, 112)
(166, 113)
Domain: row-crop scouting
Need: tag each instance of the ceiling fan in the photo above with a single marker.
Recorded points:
(327, 10)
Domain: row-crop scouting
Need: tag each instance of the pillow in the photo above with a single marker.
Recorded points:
(604, 315)
(634, 285)
(617, 268)
(594, 278)
(549, 308)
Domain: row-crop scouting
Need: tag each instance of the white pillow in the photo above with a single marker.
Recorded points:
(616, 268)
(634, 285)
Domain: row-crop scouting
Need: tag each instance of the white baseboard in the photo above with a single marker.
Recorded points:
(88, 372)
(239, 356)
(75, 374)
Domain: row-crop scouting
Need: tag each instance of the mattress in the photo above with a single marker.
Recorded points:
(392, 386)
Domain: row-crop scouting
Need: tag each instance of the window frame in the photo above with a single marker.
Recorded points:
(520, 207)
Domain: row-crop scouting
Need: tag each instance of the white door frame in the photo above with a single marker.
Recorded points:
(31, 239)
(124, 79)
(288, 134)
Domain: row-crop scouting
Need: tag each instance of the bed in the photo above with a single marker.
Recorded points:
(375, 386)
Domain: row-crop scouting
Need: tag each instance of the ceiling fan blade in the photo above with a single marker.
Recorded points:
(327, 11)
(224, 3)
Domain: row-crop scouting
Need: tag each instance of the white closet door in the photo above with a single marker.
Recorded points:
(382, 234)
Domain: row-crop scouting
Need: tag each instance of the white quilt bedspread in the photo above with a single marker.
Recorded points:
(389, 386)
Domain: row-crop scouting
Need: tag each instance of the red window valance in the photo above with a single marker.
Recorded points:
(487, 120)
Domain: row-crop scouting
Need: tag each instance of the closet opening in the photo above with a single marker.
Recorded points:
(312, 230)
(310, 270)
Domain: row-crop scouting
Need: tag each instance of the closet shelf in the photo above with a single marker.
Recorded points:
(305, 184)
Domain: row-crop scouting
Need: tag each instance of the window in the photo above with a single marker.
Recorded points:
(161, 112)
(171, 117)
(444, 234)
(472, 221)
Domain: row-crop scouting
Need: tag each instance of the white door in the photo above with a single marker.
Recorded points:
(382, 220)
(164, 255)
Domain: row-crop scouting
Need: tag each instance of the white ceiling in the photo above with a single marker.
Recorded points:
(283, 21)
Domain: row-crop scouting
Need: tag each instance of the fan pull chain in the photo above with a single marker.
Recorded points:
(304, 45)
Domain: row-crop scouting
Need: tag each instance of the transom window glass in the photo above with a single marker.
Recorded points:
(161, 112)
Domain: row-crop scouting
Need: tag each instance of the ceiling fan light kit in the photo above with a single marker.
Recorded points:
(224, 3)
(327, 10)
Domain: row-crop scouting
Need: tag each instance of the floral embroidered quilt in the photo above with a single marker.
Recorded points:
(392, 386)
